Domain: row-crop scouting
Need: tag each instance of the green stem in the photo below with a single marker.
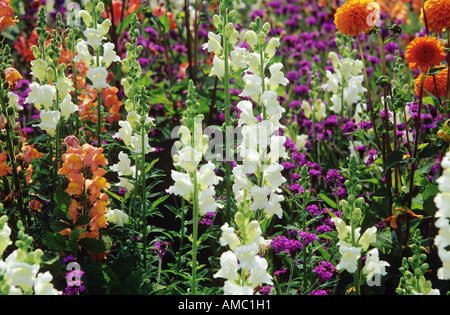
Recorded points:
(226, 83)
(448, 75)
(144, 197)
(182, 233)
(369, 97)
(194, 235)
(291, 275)
(99, 119)
(75, 83)
(10, 147)
(415, 154)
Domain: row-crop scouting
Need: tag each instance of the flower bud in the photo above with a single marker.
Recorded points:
(87, 18)
(106, 24)
(100, 8)
(443, 135)
(229, 29)
(262, 38)
(239, 219)
(36, 52)
(217, 21)
(356, 214)
(51, 75)
(251, 38)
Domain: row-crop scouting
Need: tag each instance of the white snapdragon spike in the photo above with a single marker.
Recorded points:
(98, 77)
(97, 55)
(19, 272)
(261, 148)
(14, 101)
(242, 267)
(350, 254)
(374, 266)
(442, 201)
(125, 171)
(345, 83)
(188, 161)
(131, 137)
(43, 285)
(349, 258)
(67, 107)
(41, 96)
(117, 217)
(38, 69)
(49, 121)
(5, 233)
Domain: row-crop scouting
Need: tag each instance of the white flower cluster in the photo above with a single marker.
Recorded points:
(97, 63)
(117, 217)
(131, 128)
(52, 100)
(261, 149)
(442, 200)
(351, 254)
(19, 272)
(242, 266)
(257, 136)
(190, 174)
(347, 79)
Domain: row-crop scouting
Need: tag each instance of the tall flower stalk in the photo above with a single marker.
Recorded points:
(51, 93)
(195, 183)
(260, 150)
(134, 131)
(221, 45)
(103, 54)
(353, 245)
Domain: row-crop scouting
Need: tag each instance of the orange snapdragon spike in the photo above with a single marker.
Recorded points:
(30, 153)
(111, 101)
(11, 77)
(82, 165)
(29, 170)
(399, 214)
(6, 12)
(65, 56)
(35, 206)
(4, 168)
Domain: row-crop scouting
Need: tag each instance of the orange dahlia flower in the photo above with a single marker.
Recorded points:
(437, 13)
(439, 89)
(356, 16)
(425, 52)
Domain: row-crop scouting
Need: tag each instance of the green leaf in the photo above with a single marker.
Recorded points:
(165, 23)
(58, 226)
(73, 241)
(54, 241)
(328, 201)
(102, 272)
(93, 245)
(430, 192)
(428, 151)
(83, 220)
(393, 159)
